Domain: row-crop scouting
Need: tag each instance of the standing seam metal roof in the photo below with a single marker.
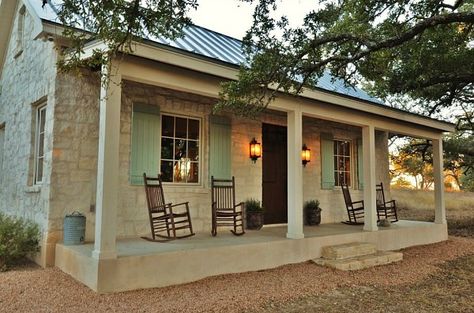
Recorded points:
(213, 45)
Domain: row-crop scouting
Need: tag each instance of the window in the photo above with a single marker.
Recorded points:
(342, 162)
(40, 121)
(179, 149)
(20, 31)
(2, 150)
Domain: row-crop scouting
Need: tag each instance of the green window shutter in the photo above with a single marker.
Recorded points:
(360, 163)
(145, 154)
(220, 148)
(327, 161)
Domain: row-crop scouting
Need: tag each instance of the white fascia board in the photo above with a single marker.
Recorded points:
(188, 61)
(194, 63)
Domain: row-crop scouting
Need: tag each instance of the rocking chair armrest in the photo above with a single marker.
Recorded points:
(170, 205)
(241, 204)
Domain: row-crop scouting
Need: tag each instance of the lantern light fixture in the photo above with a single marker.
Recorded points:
(305, 155)
(255, 150)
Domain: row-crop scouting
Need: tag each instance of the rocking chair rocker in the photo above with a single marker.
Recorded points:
(355, 209)
(164, 221)
(224, 209)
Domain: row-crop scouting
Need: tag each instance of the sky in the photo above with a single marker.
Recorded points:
(234, 18)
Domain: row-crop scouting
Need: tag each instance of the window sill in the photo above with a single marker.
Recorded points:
(33, 189)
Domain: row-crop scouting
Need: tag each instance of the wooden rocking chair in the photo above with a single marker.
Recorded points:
(385, 209)
(224, 209)
(164, 221)
(355, 209)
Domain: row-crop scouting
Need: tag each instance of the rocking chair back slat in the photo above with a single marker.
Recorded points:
(224, 212)
(163, 221)
(385, 209)
(355, 210)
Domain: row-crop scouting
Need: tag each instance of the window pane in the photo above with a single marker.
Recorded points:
(193, 131)
(193, 150)
(340, 165)
(193, 173)
(167, 171)
(179, 149)
(181, 127)
(39, 170)
(42, 119)
(347, 178)
(167, 128)
(167, 148)
(41, 145)
(346, 148)
(347, 165)
(181, 169)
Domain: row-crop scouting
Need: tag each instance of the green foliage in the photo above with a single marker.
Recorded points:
(414, 158)
(467, 181)
(405, 52)
(253, 205)
(311, 205)
(118, 23)
(18, 238)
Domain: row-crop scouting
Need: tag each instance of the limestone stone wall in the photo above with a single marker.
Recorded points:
(75, 144)
(27, 79)
(75, 156)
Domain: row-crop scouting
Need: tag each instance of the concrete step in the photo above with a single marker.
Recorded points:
(348, 250)
(361, 262)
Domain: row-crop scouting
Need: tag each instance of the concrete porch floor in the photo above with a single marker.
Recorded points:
(144, 264)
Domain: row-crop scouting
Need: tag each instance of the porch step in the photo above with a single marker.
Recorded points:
(361, 262)
(348, 250)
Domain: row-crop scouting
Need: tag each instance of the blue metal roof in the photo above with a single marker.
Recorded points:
(210, 44)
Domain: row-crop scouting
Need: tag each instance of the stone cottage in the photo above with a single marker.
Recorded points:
(69, 144)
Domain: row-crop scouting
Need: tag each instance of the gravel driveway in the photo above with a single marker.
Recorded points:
(32, 289)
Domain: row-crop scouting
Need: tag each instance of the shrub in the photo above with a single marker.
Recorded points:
(18, 238)
(252, 205)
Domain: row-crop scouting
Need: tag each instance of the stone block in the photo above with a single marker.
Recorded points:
(346, 251)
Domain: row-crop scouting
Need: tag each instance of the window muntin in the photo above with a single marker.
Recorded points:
(40, 122)
(342, 162)
(180, 149)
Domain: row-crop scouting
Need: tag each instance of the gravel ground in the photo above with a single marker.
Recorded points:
(32, 289)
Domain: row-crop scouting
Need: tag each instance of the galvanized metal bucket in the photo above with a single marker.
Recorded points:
(74, 229)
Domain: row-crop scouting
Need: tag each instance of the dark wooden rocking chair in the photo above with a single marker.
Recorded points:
(355, 209)
(164, 221)
(224, 208)
(385, 209)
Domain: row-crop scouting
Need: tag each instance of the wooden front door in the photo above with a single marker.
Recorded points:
(274, 160)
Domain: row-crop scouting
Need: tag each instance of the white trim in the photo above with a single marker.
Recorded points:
(351, 156)
(200, 139)
(38, 109)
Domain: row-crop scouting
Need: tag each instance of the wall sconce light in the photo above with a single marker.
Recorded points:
(255, 150)
(305, 155)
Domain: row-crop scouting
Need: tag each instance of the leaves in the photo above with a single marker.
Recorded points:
(118, 23)
(400, 49)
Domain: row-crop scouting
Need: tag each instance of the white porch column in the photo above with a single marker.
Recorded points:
(108, 166)
(295, 175)
(440, 210)
(368, 146)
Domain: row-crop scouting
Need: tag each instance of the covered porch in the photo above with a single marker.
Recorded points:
(111, 264)
(143, 264)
